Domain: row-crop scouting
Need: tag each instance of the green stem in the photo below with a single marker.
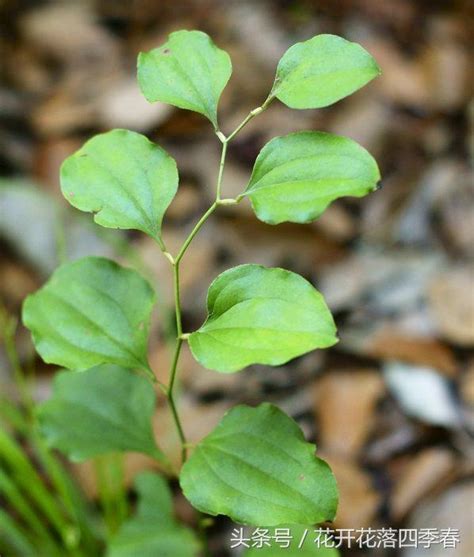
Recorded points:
(221, 170)
(73, 499)
(194, 231)
(70, 497)
(12, 494)
(250, 116)
(28, 479)
(111, 488)
(12, 536)
(177, 301)
(179, 325)
(174, 364)
(172, 403)
(160, 243)
(117, 479)
(104, 495)
(175, 262)
(9, 326)
(12, 415)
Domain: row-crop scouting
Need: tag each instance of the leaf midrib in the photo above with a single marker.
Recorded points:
(319, 195)
(241, 492)
(97, 327)
(264, 473)
(135, 202)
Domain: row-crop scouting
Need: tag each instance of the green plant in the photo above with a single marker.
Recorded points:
(93, 315)
(43, 511)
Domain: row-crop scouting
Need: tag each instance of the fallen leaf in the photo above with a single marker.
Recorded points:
(123, 106)
(358, 500)
(449, 510)
(345, 403)
(423, 473)
(390, 344)
(451, 299)
(423, 394)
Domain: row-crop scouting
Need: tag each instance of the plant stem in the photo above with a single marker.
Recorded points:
(177, 300)
(23, 473)
(25, 424)
(13, 495)
(160, 243)
(174, 365)
(171, 401)
(175, 262)
(14, 536)
(195, 230)
(9, 326)
(221, 170)
(111, 488)
(250, 116)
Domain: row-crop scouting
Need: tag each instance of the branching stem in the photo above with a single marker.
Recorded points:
(194, 231)
(175, 262)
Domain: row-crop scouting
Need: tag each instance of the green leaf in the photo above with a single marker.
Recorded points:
(153, 531)
(188, 71)
(91, 312)
(322, 70)
(104, 409)
(301, 541)
(122, 177)
(14, 537)
(258, 315)
(257, 468)
(295, 177)
(155, 498)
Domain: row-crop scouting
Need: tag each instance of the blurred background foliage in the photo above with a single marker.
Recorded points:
(390, 406)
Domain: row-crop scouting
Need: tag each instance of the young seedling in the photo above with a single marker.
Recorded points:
(93, 315)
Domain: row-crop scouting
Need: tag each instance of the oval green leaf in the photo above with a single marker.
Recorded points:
(188, 71)
(91, 311)
(257, 468)
(104, 409)
(153, 531)
(322, 70)
(258, 315)
(296, 177)
(124, 179)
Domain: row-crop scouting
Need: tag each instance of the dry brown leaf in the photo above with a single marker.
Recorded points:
(446, 66)
(423, 473)
(451, 509)
(452, 301)
(391, 344)
(48, 159)
(365, 119)
(69, 33)
(123, 106)
(344, 404)
(402, 80)
(186, 202)
(16, 282)
(358, 500)
(467, 385)
(338, 223)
